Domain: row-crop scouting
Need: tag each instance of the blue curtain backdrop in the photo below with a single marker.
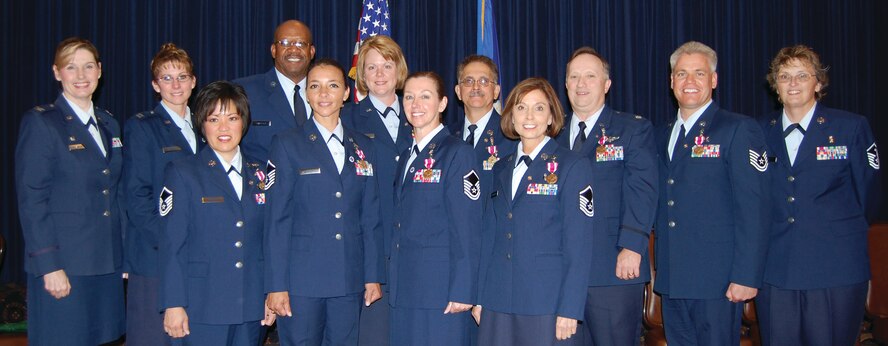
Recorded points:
(231, 38)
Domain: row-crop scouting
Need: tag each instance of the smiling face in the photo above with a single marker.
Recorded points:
(293, 62)
(423, 104)
(477, 98)
(531, 117)
(797, 85)
(223, 129)
(587, 84)
(692, 82)
(381, 74)
(326, 91)
(79, 77)
(167, 83)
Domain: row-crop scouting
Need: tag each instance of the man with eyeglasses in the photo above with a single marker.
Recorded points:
(477, 88)
(277, 97)
(624, 175)
(713, 210)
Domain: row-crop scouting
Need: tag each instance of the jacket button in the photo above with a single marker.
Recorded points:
(670, 203)
(670, 181)
(338, 194)
(107, 213)
(338, 215)
(338, 236)
(106, 171)
(509, 215)
(397, 246)
(671, 224)
(508, 235)
(105, 192)
(790, 219)
(238, 244)
(790, 199)
(397, 225)
(790, 178)
(239, 265)
(396, 158)
(239, 224)
(508, 256)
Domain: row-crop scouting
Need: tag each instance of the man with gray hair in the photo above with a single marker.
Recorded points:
(712, 212)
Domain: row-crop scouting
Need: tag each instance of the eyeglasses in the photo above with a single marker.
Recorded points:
(469, 82)
(295, 44)
(799, 78)
(167, 79)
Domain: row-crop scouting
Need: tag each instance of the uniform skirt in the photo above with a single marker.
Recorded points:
(429, 327)
(92, 314)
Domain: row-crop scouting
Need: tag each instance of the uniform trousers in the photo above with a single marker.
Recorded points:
(144, 322)
(702, 322)
(430, 327)
(374, 325)
(827, 316)
(321, 321)
(613, 315)
(244, 334)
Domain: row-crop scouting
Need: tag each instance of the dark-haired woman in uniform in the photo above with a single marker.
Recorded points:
(437, 226)
(67, 168)
(324, 242)
(154, 138)
(534, 274)
(212, 209)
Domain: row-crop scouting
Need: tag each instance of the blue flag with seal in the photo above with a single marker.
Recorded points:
(487, 41)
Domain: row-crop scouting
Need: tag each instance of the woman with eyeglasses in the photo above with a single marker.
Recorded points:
(380, 73)
(534, 274)
(154, 138)
(435, 246)
(212, 211)
(67, 168)
(825, 174)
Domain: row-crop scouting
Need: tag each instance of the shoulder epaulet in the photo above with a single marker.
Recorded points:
(638, 117)
(104, 110)
(43, 108)
(145, 115)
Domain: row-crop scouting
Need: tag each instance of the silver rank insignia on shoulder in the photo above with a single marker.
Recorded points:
(472, 185)
(587, 203)
(166, 201)
(872, 155)
(759, 162)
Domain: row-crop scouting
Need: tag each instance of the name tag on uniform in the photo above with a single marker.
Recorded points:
(261, 122)
(706, 150)
(171, 149)
(837, 152)
(215, 199)
(116, 142)
(542, 189)
(370, 135)
(609, 152)
(309, 171)
(78, 146)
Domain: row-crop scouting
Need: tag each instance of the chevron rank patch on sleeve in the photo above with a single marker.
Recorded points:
(472, 185)
(587, 204)
(758, 161)
(166, 201)
(269, 175)
(872, 155)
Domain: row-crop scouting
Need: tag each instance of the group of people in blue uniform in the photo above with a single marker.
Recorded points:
(278, 201)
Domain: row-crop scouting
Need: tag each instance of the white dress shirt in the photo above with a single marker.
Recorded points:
(421, 145)
(84, 116)
(235, 175)
(335, 145)
(676, 128)
(184, 124)
(575, 125)
(520, 168)
(794, 139)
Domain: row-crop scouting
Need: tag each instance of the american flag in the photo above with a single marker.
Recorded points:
(375, 20)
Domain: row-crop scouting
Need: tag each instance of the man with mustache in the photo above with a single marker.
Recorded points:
(477, 88)
(277, 97)
(713, 210)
